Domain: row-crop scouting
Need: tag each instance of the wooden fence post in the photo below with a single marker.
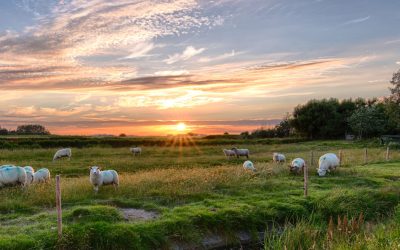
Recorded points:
(340, 157)
(58, 205)
(305, 170)
(387, 153)
(366, 156)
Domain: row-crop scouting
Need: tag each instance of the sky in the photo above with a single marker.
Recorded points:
(141, 67)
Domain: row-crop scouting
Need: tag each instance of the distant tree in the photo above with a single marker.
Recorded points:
(122, 135)
(226, 133)
(283, 128)
(368, 121)
(245, 135)
(3, 131)
(392, 111)
(395, 89)
(318, 119)
(32, 129)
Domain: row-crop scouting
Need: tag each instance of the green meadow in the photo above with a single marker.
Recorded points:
(195, 193)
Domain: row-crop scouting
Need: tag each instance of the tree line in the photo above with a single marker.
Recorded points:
(29, 129)
(331, 118)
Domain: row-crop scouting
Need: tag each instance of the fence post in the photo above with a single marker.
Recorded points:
(305, 170)
(58, 205)
(366, 156)
(340, 157)
(387, 153)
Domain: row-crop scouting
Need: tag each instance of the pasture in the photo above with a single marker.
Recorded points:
(196, 194)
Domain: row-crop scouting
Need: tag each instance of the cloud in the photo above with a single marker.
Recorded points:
(218, 58)
(358, 20)
(66, 40)
(139, 50)
(188, 53)
(171, 73)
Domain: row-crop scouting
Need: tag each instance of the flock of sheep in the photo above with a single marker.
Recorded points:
(327, 162)
(11, 175)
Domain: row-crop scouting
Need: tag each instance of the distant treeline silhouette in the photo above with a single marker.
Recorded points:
(29, 129)
(331, 118)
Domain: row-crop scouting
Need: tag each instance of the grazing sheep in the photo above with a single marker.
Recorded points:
(249, 166)
(326, 163)
(228, 153)
(99, 178)
(241, 152)
(277, 157)
(297, 165)
(12, 175)
(65, 152)
(136, 150)
(29, 174)
(42, 175)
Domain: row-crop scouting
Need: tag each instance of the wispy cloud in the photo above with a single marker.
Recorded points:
(188, 53)
(357, 20)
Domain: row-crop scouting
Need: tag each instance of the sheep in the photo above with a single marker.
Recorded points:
(277, 157)
(228, 153)
(297, 165)
(327, 162)
(29, 174)
(136, 150)
(99, 178)
(65, 152)
(42, 175)
(249, 165)
(241, 152)
(12, 175)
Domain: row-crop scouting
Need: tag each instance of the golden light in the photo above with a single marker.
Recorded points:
(181, 127)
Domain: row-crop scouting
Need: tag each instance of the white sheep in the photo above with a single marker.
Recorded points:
(65, 152)
(241, 152)
(136, 150)
(249, 166)
(228, 153)
(277, 157)
(42, 175)
(29, 174)
(99, 178)
(12, 175)
(297, 165)
(326, 163)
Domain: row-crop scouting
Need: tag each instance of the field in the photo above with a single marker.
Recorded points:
(191, 196)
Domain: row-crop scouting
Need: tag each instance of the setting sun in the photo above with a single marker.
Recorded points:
(181, 127)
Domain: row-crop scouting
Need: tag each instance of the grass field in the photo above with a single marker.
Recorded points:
(198, 193)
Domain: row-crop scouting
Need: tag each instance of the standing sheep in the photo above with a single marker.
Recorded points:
(65, 152)
(297, 165)
(241, 152)
(278, 158)
(99, 178)
(228, 153)
(42, 175)
(326, 163)
(12, 175)
(29, 174)
(136, 151)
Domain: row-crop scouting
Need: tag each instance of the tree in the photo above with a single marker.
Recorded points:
(318, 119)
(283, 128)
(395, 90)
(32, 129)
(122, 135)
(368, 121)
(3, 131)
